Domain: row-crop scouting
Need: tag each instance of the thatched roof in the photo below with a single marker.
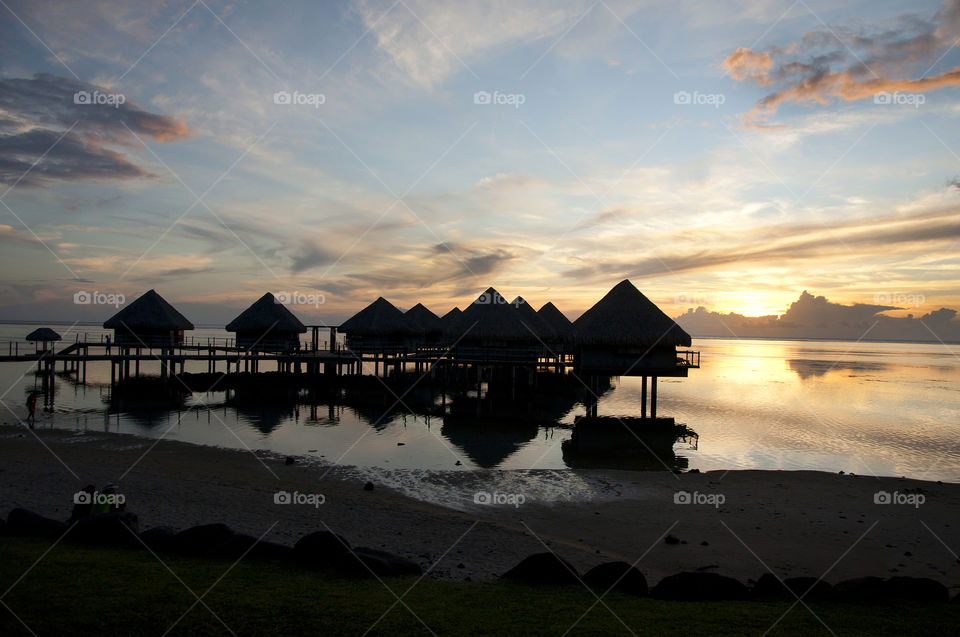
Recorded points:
(452, 315)
(43, 334)
(380, 318)
(543, 329)
(490, 317)
(555, 318)
(149, 312)
(626, 317)
(423, 318)
(265, 314)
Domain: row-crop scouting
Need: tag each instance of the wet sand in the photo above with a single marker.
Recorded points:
(792, 522)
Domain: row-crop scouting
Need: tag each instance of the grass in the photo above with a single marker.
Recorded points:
(77, 590)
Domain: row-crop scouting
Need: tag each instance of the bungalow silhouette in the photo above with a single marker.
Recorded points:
(267, 326)
(148, 322)
(379, 328)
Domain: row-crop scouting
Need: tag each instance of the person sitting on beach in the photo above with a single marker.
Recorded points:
(32, 408)
(82, 504)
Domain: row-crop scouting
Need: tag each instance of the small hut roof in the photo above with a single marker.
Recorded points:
(265, 314)
(43, 334)
(534, 320)
(451, 315)
(491, 317)
(380, 318)
(626, 317)
(150, 311)
(555, 318)
(423, 318)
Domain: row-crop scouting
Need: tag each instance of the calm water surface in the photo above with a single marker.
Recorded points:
(866, 408)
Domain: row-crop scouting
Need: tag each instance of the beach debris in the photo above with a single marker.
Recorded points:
(461, 565)
(543, 568)
(458, 463)
(671, 540)
(401, 444)
(620, 576)
(704, 543)
(289, 460)
(368, 486)
(699, 586)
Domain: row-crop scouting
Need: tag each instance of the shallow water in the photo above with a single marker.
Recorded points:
(866, 408)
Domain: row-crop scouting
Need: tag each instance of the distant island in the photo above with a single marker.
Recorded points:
(818, 318)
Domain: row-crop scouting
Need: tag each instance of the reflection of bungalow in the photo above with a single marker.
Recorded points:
(149, 321)
(625, 334)
(267, 325)
(379, 327)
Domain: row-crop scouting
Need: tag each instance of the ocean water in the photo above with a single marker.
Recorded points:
(866, 408)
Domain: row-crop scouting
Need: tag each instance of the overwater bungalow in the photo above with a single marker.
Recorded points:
(378, 328)
(426, 323)
(492, 330)
(562, 326)
(148, 322)
(43, 335)
(267, 326)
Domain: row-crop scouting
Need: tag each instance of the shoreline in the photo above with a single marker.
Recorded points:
(796, 523)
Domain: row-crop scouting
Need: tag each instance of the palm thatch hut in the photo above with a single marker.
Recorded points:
(267, 325)
(492, 329)
(149, 321)
(450, 317)
(543, 330)
(624, 333)
(43, 335)
(424, 321)
(562, 326)
(379, 328)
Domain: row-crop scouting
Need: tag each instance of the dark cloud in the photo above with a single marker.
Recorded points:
(311, 255)
(846, 64)
(36, 112)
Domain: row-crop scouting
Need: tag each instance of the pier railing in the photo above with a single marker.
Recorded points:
(686, 358)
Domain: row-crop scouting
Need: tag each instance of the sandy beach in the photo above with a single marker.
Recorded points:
(738, 523)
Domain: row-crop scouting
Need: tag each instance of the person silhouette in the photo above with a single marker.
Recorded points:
(32, 408)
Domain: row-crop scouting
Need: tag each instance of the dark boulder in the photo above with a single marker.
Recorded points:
(699, 587)
(22, 522)
(915, 589)
(248, 547)
(859, 589)
(201, 540)
(620, 576)
(159, 538)
(810, 589)
(118, 528)
(365, 562)
(321, 549)
(543, 568)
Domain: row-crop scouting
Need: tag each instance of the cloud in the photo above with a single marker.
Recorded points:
(846, 64)
(35, 113)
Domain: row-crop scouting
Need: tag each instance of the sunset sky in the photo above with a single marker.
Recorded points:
(726, 154)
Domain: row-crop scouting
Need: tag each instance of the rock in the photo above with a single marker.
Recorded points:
(201, 540)
(671, 540)
(699, 586)
(368, 486)
(240, 545)
(290, 460)
(704, 543)
(769, 588)
(461, 565)
(859, 589)
(321, 549)
(543, 568)
(21, 522)
(3, 527)
(916, 589)
(118, 528)
(159, 538)
(400, 444)
(363, 560)
(620, 576)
